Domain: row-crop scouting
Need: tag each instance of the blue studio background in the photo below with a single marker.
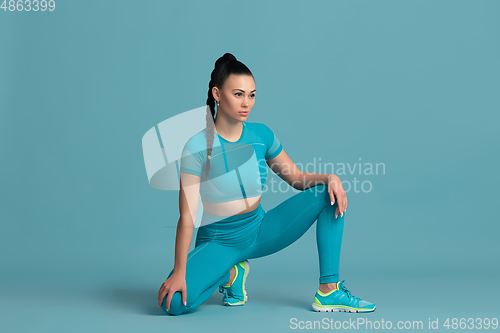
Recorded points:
(86, 242)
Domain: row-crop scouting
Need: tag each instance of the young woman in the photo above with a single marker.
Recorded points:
(225, 163)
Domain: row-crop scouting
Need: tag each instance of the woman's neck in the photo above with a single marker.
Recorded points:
(229, 130)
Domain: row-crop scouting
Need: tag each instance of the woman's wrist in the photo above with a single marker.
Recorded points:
(179, 271)
(332, 177)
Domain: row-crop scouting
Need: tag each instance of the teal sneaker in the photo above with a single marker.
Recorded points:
(340, 300)
(235, 294)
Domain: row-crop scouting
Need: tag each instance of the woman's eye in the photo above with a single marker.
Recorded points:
(239, 94)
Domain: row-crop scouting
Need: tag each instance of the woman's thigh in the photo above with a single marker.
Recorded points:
(207, 267)
(287, 222)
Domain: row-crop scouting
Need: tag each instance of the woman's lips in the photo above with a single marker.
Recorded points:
(244, 113)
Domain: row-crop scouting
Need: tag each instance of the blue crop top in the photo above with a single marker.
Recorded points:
(237, 169)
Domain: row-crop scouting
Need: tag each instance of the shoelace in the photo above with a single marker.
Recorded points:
(224, 292)
(347, 291)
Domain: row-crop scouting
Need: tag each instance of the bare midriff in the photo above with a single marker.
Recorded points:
(231, 208)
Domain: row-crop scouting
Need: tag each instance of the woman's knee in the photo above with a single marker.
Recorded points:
(176, 305)
(320, 192)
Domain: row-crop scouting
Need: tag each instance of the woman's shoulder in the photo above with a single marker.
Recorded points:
(198, 138)
(197, 142)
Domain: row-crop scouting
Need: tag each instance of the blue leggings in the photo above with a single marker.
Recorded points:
(224, 243)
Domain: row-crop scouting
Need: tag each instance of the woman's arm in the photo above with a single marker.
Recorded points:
(188, 207)
(283, 166)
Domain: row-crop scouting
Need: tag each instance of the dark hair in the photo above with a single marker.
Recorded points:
(224, 66)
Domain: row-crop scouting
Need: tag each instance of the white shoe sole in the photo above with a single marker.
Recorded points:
(247, 270)
(341, 309)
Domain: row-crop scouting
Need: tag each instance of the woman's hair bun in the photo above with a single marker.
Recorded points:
(227, 57)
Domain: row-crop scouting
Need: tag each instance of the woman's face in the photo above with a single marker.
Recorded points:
(237, 96)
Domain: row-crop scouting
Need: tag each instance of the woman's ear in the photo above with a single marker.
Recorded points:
(216, 93)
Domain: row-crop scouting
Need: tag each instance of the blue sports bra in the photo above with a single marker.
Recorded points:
(237, 169)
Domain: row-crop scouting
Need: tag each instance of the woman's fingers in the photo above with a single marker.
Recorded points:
(169, 298)
(184, 296)
(332, 197)
(162, 296)
(331, 191)
(341, 203)
(159, 293)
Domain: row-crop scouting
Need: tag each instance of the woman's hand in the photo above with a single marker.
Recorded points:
(176, 282)
(335, 188)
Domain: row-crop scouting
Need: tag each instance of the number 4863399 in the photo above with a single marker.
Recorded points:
(28, 5)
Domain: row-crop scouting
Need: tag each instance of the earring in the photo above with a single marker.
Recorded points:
(217, 103)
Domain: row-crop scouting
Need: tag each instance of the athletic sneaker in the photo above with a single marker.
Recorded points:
(340, 300)
(235, 294)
